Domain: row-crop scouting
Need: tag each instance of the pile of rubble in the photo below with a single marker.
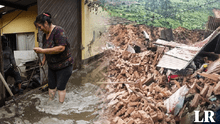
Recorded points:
(122, 35)
(136, 94)
(183, 35)
(139, 92)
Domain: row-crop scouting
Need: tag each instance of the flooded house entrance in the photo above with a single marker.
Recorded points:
(80, 106)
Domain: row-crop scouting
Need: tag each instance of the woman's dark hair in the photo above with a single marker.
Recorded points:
(42, 18)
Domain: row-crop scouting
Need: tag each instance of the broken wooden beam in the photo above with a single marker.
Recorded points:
(195, 101)
(211, 88)
(149, 81)
(204, 90)
(217, 89)
(214, 77)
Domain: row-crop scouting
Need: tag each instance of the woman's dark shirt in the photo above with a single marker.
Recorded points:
(58, 38)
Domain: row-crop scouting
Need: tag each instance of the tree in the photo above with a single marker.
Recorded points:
(151, 5)
(103, 2)
(162, 7)
(165, 8)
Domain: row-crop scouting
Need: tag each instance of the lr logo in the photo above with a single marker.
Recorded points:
(207, 116)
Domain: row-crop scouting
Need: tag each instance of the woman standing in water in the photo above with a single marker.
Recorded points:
(56, 53)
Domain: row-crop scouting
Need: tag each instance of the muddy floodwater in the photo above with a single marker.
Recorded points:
(80, 106)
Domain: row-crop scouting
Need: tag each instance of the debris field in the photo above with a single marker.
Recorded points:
(139, 92)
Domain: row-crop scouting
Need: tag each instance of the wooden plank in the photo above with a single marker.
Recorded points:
(174, 44)
(214, 77)
(217, 89)
(148, 81)
(166, 43)
(167, 34)
(204, 90)
(195, 100)
(2, 88)
(211, 88)
(155, 59)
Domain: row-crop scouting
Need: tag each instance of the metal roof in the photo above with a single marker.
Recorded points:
(175, 44)
(182, 55)
(171, 62)
(12, 5)
(177, 58)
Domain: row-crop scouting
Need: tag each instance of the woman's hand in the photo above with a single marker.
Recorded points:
(38, 50)
(43, 61)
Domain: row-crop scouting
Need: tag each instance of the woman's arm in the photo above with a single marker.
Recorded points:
(54, 50)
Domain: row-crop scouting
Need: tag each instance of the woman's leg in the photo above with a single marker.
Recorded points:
(52, 93)
(62, 94)
(62, 79)
(52, 82)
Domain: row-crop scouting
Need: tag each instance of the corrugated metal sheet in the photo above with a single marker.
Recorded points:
(205, 42)
(172, 62)
(175, 44)
(182, 55)
(177, 58)
(67, 14)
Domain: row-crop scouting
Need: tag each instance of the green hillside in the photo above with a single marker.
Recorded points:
(191, 14)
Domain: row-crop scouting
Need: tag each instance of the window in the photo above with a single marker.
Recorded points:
(21, 41)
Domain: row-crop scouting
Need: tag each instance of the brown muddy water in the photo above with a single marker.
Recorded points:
(80, 107)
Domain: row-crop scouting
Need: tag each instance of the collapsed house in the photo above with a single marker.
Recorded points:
(185, 54)
(160, 83)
